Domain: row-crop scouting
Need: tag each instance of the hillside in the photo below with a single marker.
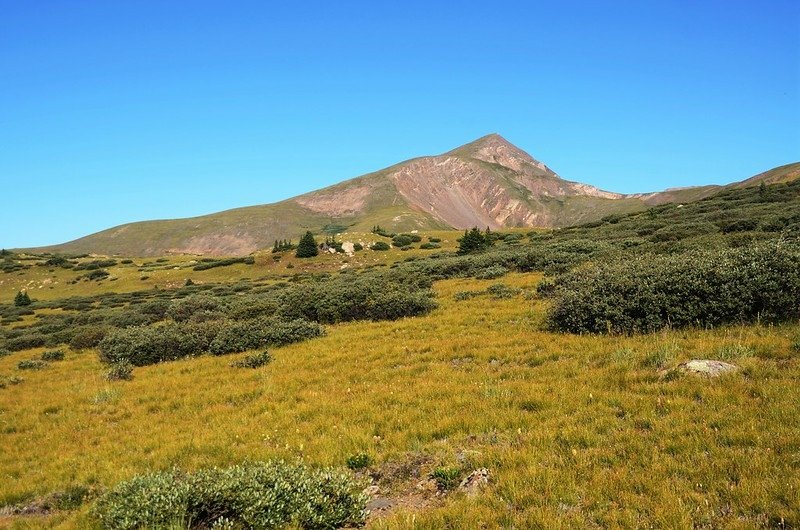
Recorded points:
(416, 368)
(486, 183)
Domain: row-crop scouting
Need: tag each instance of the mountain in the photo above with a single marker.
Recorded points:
(488, 182)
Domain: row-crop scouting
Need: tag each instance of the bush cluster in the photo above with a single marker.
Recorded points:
(53, 355)
(257, 333)
(255, 360)
(254, 495)
(649, 293)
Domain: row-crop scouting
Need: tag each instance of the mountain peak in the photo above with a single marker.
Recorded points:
(495, 149)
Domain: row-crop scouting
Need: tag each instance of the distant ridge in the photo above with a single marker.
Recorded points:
(487, 182)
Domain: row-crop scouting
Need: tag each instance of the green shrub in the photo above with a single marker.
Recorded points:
(358, 247)
(380, 245)
(212, 264)
(649, 293)
(492, 272)
(26, 341)
(121, 370)
(256, 360)
(88, 337)
(150, 345)
(32, 364)
(53, 355)
(183, 310)
(254, 495)
(446, 478)
(393, 305)
(430, 246)
(4, 352)
(796, 345)
(234, 337)
(96, 275)
(359, 461)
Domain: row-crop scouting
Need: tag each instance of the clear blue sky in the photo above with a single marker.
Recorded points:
(113, 112)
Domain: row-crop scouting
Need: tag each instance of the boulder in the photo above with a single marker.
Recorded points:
(474, 482)
(707, 367)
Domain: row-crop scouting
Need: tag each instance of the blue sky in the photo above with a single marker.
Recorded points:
(113, 112)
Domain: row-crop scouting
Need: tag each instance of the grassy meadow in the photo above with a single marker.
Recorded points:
(576, 431)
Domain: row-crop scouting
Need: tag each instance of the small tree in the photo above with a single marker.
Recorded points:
(473, 241)
(22, 299)
(307, 247)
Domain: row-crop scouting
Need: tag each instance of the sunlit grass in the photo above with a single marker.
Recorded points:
(577, 431)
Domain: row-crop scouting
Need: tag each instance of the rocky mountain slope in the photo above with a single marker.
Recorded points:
(488, 182)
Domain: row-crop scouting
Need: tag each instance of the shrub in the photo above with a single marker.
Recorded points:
(647, 293)
(430, 246)
(120, 371)
(252, 495)
(183, 310)
(234, 337)
(26, 341)
(31, 364)
(256, 360)
(96, 274)
(359, 461)
(88, 337)
(358, 247)
(4, 352)
(446, 478)
(53, 355)
(491, 273)
(150, 345)
(380, 245)
(393, 305)
(212, 264)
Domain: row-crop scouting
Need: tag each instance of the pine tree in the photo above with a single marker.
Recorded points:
(22, 299)
(307, 247)
(275, 247)
(473, 241)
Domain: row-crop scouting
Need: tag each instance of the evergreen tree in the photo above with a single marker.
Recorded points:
(488, 237)
(275, 247)
(22, 299)
(307, 247)
(473, 241)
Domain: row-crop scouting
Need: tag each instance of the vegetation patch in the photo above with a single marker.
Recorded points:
(267, 495)
(650, 293)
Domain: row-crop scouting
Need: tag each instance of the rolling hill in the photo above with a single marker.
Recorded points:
(488, 182)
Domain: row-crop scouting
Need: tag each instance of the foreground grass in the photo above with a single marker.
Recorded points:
(577, 431)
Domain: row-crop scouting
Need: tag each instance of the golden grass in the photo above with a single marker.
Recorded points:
(575, 430)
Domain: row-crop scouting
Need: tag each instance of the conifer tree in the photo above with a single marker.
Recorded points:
(22, 299)
(307, 247)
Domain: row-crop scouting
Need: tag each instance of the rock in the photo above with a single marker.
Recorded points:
(474, 482)
(371, 491)
(379, 504)
(707, 367)
(349, 248)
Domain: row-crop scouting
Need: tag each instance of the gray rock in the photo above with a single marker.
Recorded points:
(707, 367)
(474, 482)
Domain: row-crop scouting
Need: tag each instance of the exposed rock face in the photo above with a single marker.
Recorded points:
(486, 183)
(707, 367)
